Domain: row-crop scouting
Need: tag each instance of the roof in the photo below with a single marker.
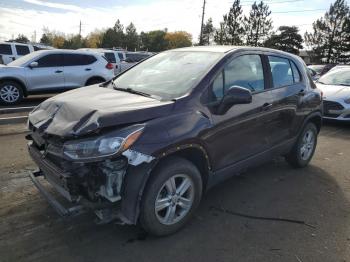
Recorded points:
(64, 51)
(214, 48)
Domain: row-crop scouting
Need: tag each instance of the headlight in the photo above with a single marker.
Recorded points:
(347, 100)
(104, 146)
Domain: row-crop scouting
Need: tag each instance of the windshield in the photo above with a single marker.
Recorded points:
(317, 68)
(24, 59)
(336, 77)
(169, 74)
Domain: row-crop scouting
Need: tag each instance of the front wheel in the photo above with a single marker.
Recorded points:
(304, 149)
(10, 93)
(172, 194)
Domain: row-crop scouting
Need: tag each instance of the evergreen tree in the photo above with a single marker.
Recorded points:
(286, 39)
(234, 21)
(258, 25)
(220, 36)
(208, 33)
(131, 37)
(330, 39)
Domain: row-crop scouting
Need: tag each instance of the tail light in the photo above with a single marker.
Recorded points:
(109, 66)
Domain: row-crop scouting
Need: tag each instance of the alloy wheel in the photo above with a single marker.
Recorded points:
(307, 145)
(174, 199)
(9, 93)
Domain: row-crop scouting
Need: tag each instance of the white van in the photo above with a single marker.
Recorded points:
(10, 51)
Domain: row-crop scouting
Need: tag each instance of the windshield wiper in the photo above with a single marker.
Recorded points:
(130, 90)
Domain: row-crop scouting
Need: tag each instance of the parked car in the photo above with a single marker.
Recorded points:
(10, 51)
(132, 58)
(146, 146)
(335, 86)
(321, 69)
(112, 56)
(51, 71)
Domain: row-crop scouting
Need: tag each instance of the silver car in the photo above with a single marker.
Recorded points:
(335, 86)
(51, 70)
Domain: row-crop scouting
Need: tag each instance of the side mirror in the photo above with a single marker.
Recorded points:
(234, 96)
(33, 65)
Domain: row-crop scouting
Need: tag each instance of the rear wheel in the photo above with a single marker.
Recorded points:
(10, 93)
(172, 194)
(94, 81)
(304, 149)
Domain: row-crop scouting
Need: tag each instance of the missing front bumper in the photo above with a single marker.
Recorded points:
(59, 208)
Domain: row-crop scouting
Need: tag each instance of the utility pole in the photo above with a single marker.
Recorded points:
(201, 35)
(80, 28)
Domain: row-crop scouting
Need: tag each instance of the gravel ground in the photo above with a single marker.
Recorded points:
(319, 195)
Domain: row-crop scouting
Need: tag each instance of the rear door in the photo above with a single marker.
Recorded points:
(78, 68)
(241, 132)
(48, 75)
(287, 99)
(7, 53)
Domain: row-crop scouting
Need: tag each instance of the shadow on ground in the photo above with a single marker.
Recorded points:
(34, 233)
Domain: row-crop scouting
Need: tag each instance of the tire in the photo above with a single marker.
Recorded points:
(11, 93)
(180, 207)
(94, 81)
(303, 151)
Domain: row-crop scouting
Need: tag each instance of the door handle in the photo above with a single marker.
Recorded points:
(266, 106)
(87, 69)
(58, 71)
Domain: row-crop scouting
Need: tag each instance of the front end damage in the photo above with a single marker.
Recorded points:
(103, 186)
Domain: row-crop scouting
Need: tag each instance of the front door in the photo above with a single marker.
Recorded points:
(48, 75)
(241, 132)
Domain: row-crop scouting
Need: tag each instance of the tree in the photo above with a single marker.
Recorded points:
(178, 39)
(114, 37)
(330, 39)
(94, 39)
(131, 37)
(287, 38)
(234, 21)
(45, 40)
(154, 41)
(207, 33)
(220, 36)
(258, 25)
(21, 39)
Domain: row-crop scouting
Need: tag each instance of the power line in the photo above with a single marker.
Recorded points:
(299, 11)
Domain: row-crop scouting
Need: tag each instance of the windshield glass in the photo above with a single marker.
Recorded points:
(168, 75)
(23, 59)
(317, 68)
(336, 77)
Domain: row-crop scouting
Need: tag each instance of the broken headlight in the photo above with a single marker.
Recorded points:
(103, 146)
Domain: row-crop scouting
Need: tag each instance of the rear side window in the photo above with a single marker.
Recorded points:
(52, 60)
(245, 71)
(120, 55)
(22, 49)
(282, 74)
(78, 59)
(5, 49)
(110, 57)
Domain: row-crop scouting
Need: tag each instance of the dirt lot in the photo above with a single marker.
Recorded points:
(319, 195)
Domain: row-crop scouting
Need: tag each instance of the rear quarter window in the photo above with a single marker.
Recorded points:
(110, 57)
(78, 59)
(22, 49)
(5, 49)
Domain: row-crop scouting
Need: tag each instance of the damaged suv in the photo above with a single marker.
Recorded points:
(145, 146)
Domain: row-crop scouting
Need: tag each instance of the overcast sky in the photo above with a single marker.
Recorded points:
(27, 16)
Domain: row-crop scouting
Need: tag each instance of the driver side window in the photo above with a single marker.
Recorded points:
(244, 71)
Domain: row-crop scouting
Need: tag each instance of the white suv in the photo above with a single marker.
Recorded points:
(10, 51)
(51, 70)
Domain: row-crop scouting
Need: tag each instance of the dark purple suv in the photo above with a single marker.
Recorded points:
(144, 147)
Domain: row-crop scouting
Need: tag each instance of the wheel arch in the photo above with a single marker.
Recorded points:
(315, 118)
(18, 81)
(95, 78)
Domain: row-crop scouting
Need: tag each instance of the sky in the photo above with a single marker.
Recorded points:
(29, 17)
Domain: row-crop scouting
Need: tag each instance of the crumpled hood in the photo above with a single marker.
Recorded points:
(334, 91)
(84, 110)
